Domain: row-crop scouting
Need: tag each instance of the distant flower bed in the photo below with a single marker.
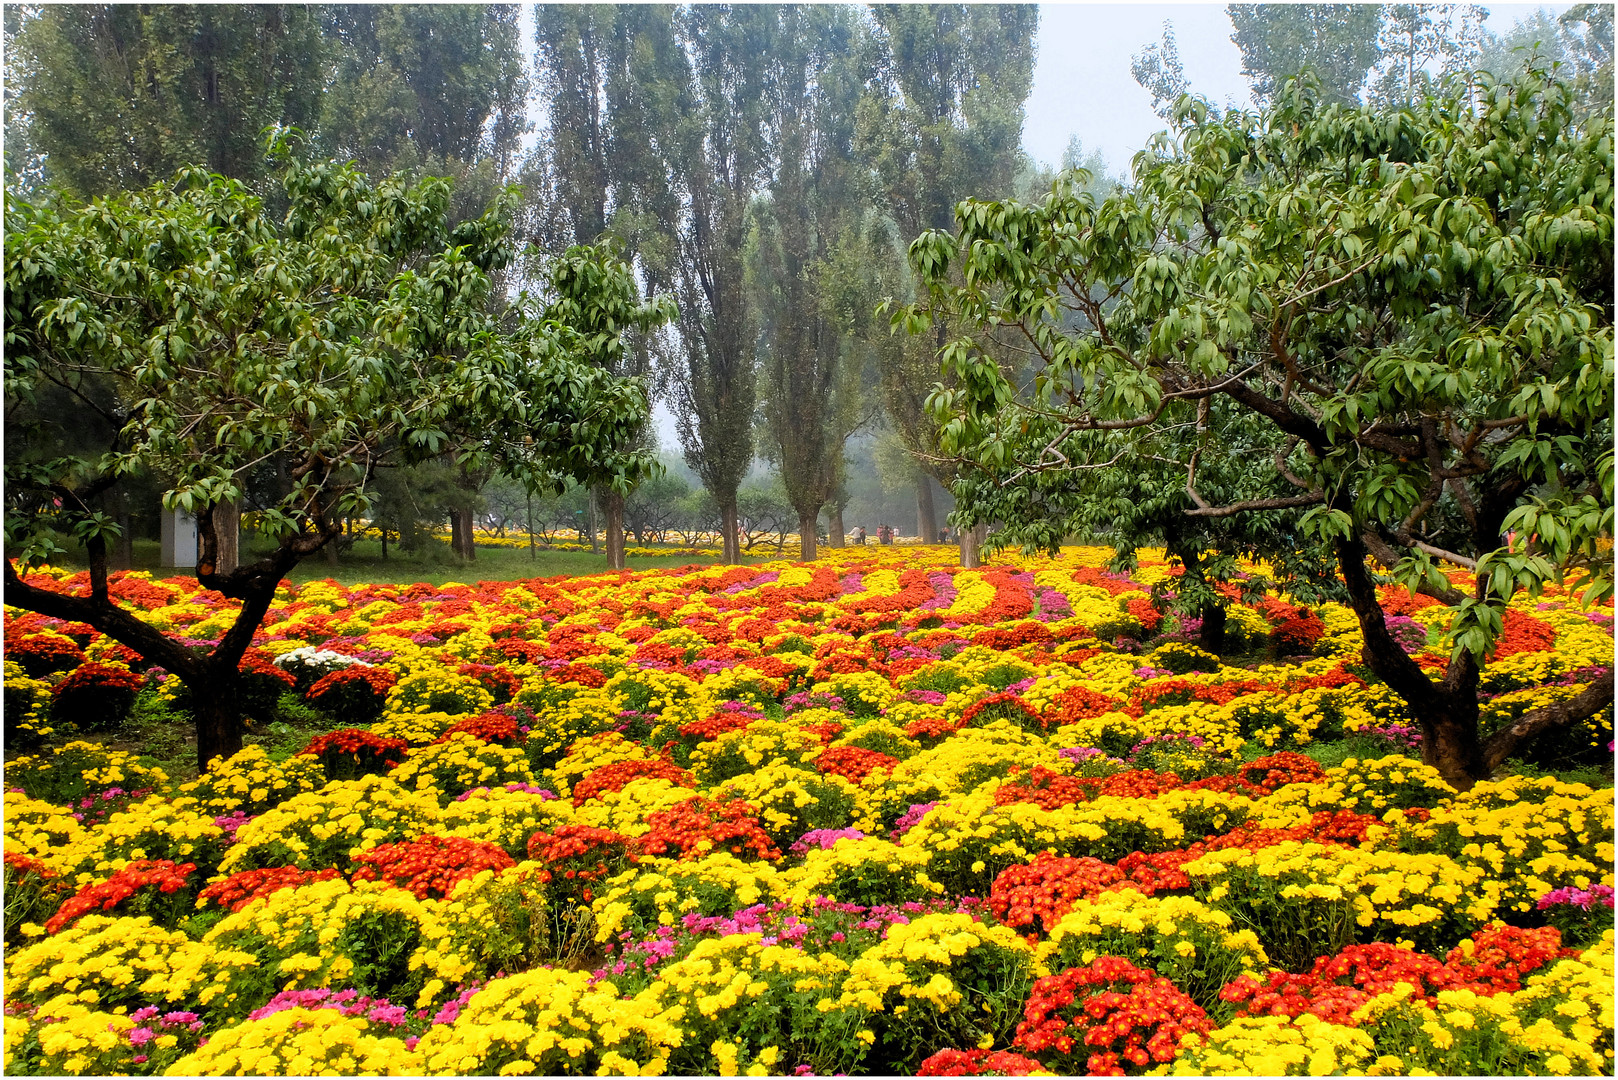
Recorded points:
(872, 815)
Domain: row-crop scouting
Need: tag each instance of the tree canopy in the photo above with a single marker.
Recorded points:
(353, 333)
(1398, 320)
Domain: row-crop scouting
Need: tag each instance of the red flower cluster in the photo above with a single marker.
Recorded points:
(579, 854)
(1047, 789)
(977, 1063)
(1503, 955)
(1298, 634)
(1078, 703)
(825, 731)
(1036, 895)
(727, 824)
(498, 681)
(355, 693)
(1002, 706)
(1523, 633)
(614, 775)
(1183, 692)
(1275, 771)
(1010, 637)
(1148, 615)
(351, 752)
(23, 865)
(930, 729)
(245, 886)
(716, 725)
(42, 654)
(430, 866)
(854, 763)
(490, 727)
(106, 895)
(591, 678)
(1337, 985)
(94, 676)
(516, 650)
(1124, 1015)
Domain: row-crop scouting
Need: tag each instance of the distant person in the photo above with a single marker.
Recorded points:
(859, 535)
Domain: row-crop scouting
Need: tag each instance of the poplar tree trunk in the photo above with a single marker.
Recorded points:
(730, 531)
(806, 538)
(834, 528)
(612, 506)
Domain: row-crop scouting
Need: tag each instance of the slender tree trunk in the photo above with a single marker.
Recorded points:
(926, 512)
(590, 521)
(730, 531)
(806, 538)
(612, 505)
(384, 532)
(532, 554)
(834, 528)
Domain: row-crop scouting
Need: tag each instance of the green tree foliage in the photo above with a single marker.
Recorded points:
(943, 121)
(1338, 42)
(112, 97)
(1406, 316)
(353, 334)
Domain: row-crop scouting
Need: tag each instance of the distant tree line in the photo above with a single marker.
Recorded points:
(764, 166)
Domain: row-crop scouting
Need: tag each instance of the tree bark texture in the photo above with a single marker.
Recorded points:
(612, 509)
(730, 531)
(460, 530)
(806, 538)
(835, 536)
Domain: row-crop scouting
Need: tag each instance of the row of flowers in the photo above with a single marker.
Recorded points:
(920, 819)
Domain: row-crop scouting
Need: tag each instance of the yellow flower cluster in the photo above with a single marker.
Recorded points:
(301, 1042)
(251, 783)
(322, 828)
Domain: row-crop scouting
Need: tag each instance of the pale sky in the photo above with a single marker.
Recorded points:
(1083, 86)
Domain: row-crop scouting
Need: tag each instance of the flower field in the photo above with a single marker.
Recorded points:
(871, 815)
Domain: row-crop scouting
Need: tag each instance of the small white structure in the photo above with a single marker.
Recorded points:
(178, 544)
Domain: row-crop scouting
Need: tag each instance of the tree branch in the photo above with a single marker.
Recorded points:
(1594, 698)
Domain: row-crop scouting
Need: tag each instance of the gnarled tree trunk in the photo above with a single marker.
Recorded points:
(806, 538)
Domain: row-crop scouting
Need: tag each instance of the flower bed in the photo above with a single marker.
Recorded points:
(874, 815)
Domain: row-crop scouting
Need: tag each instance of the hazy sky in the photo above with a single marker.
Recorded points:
(1083, 87)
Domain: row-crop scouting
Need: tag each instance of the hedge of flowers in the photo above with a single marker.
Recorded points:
(871, 815)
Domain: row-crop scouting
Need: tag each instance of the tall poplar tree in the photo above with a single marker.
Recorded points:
(718, 153)
(943, 122)
(799, 252)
